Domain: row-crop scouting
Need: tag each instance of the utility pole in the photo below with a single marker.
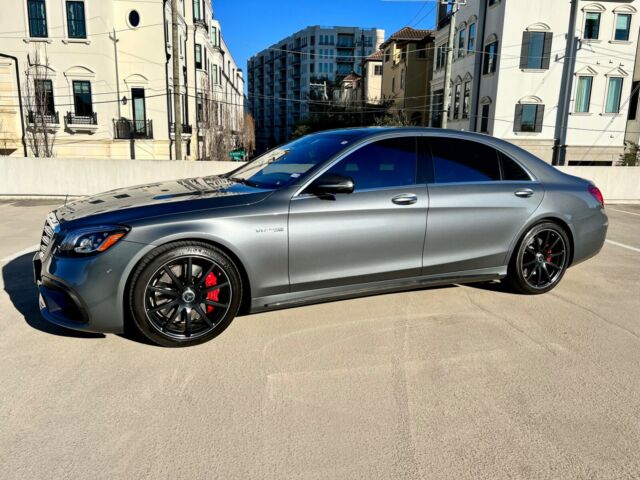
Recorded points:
(177, 107)
(114, 39)
(568, 70)
(446, 102)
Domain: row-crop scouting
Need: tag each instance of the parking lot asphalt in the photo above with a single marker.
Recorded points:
(457, 382)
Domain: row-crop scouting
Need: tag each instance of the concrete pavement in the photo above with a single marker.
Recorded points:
(458, 382)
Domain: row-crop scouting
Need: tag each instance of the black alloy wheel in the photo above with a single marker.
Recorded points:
(541, 260)
(185, 295)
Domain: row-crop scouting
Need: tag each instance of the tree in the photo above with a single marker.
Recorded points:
(38, 103)
(217, 139)
(630, 157)
(394, 118)
(248, 134)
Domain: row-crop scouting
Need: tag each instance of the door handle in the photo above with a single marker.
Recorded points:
(523, 193)
(405, 199)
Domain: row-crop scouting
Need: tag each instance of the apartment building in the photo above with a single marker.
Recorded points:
(407, 69)
(372, 78)
(510, 68)
(633, 116)
(306, 65)
(96, 78)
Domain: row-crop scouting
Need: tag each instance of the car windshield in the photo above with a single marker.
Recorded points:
(285, 164)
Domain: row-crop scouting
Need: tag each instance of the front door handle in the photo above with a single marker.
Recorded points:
(523, 193)
(405, 199)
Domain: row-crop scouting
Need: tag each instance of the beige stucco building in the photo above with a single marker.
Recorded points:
(407, 68)
(104, 73)
(507, 74)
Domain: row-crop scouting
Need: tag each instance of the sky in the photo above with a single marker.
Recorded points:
(249, 26)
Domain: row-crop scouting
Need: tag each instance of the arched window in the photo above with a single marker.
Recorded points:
(490, 61)
(623, 17)
(529, 115)
(536, 47)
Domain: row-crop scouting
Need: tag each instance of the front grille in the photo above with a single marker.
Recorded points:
(48, 233)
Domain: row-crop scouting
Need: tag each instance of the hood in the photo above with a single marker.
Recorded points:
(163, 198)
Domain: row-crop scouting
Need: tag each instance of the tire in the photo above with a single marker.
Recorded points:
(540, 260)
(173, 297)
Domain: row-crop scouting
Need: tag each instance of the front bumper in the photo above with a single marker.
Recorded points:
(87, 293)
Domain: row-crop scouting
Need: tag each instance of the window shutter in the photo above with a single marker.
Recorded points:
(517, 120)
(524, 53)
(539, 118)
(546, 56)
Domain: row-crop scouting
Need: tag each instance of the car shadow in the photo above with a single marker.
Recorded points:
(17, 278)
(493, 286)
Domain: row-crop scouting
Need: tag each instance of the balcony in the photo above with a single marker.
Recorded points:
(125, 129)
(43, 121)
(344, 59)
(187, 130)
(81, 123)
(199, 22)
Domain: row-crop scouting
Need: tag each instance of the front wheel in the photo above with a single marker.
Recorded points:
(540, 260)
(185, 294)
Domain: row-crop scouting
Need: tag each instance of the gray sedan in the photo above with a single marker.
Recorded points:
(331, 215)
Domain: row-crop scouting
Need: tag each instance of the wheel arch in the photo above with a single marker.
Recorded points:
(552, 218)
(244, 275)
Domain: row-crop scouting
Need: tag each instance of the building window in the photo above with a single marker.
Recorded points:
(633, 103)
(592, 26)
(623, 26)
(402, 78)
(134, 18)
(199, 107)
(377, 70)
(471, 46)
(456, 102)
(214, 74)
(37, 18)
(614, 94)
(493, 2)
(461, 40)
(198, 56)
(490, 58)
(43, 90)
(466, 100)
(393, 85)
(214, 36)
(536, 50)
(197, 14)
(484, 120)
(82, 98)
(528, 118)
(76, 27)
(387, 55)
(583, 94)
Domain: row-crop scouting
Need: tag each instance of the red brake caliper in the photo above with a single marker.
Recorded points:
(210, 281)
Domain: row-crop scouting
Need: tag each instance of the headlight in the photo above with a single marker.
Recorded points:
(86, 241)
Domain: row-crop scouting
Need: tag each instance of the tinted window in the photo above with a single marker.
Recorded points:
(387, 163)
(511, 170)
(463, 161)
(284, 165)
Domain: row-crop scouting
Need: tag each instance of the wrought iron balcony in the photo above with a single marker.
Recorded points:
(73, 119)
(186, 129)
(125, 129)
(51, 118)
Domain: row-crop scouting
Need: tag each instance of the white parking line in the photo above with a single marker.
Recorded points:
(628, 247)
(624, 211)
(13, 256)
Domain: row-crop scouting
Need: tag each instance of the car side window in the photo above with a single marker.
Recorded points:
(456, 160)
(382, 164)
(511, 171)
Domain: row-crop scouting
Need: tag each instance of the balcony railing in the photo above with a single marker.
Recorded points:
(125, 129)
(186, 129)
(73, 119)
(43, 118)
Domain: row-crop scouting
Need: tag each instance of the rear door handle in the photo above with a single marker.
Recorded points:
(523, 193)
(405, 199)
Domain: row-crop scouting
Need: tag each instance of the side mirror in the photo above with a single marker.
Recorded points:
(329, 184)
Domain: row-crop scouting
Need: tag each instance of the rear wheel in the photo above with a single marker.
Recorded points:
(185, 294)
(541, 259)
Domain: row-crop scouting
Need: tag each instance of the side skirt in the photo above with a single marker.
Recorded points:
(293, 299)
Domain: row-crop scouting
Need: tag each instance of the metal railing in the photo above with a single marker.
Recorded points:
(44, 118)
(73, 119)
(186, 128)
(125, 129)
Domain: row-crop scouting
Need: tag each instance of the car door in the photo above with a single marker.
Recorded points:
(478, 202)
(375, 233)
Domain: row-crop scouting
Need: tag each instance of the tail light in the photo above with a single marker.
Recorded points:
(597, 194)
